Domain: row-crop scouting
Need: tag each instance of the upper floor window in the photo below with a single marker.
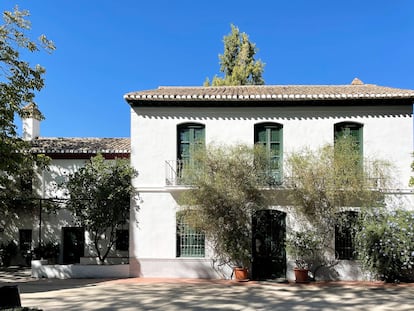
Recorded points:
(352, 130)
(270, 136)
(190, 139)
(26, 182)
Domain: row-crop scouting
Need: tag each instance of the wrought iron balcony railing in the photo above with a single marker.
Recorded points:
(180, 173)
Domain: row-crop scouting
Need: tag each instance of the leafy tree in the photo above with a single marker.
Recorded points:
(99, 198)
(325, 181)
(238, 63)
(19, 81)
(226, 190)
(385, 242)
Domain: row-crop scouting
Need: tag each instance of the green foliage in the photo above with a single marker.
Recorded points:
(385, 243)
(334, 176)
(226, 190)
(324, 182)
(238, 63)
(19, 81)
(7, 252)
(303, 245)
(411, 182)
(100, 195)
(49, 250)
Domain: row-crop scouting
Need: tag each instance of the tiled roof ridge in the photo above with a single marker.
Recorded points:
(268, 86)
(81, 145)
(79, 138)
(358, 90)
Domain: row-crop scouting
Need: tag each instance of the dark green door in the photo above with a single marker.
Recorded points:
(269, 252)
(73, 244)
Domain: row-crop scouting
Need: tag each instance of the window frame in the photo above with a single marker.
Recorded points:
(268, 127)
(340, 127)
(122, 240)
(345, 248)
(25, 240)
(184, 233)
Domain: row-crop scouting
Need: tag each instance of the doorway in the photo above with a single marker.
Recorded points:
(73, 244)
(269, 251)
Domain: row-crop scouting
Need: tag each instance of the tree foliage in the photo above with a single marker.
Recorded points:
(330, 180)
(226, 190)
(19, 80)
(238, 61)
(385, 241)
(99, 198)
(325, 180)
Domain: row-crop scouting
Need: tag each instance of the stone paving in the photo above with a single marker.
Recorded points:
(186, 294)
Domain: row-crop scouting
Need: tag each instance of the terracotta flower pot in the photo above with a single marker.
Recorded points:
(241, 274)
(301, 275)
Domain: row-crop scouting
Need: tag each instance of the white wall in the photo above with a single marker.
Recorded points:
(387, 134)
(46, 185)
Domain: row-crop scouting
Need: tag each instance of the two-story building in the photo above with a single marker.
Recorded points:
(39, 226)
(167, 122)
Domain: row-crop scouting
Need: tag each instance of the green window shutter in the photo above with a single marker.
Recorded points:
(355, 130)
(270, 136)
(190, 138)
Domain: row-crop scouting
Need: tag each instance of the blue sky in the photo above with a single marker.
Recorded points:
(107, 48)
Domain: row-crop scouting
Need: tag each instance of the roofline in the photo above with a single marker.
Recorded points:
(265, 94)
(271, 103)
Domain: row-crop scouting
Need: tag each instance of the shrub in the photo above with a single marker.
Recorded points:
(385, 244)
(50, 250)
(7, 252)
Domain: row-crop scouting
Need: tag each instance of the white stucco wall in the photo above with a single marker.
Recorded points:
(387, 134)
(46, 185)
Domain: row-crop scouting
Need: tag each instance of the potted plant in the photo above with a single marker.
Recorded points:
(302, 245)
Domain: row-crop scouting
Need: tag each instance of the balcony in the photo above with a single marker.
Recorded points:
(180, 173)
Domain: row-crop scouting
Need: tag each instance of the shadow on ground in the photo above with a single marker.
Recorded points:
(214, 296)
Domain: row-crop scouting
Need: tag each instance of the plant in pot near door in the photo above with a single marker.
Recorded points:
(302, 245)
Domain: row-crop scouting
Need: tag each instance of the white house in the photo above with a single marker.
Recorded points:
(36, 226)
(166, 122)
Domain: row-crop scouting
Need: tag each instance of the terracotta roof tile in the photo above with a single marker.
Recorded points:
(81, 145)
(357, 90)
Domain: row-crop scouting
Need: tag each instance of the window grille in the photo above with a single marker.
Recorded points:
(345, 236)
(190, 242)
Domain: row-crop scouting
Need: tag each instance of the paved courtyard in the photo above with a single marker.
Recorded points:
(180, 294)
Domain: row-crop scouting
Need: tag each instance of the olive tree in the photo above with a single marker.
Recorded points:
(327, 181)
(226, 190)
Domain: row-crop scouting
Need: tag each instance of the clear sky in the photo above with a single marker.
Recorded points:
(107, 48)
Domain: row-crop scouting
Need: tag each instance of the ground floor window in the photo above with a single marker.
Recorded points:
(345, 235)
(190, 242)
(122, 239)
